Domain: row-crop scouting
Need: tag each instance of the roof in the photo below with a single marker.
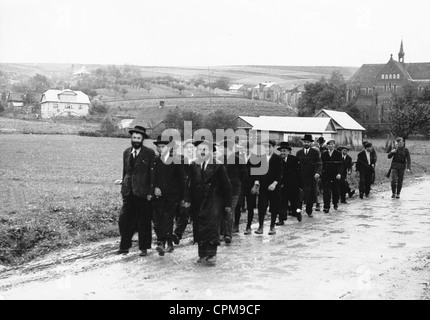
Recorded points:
(343, 119)
(419, 71)
(367, 73)
(65, 96)
(291, 124)
(236, 86)
(15, 96)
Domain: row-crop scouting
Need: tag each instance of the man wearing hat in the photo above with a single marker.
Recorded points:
(332, 167)
(269, 187)
(169, 189)
(184, 212)
(344, 188)
(365, 168)
(290, 184)
(210, 196)
(401, 161)
(136, 193)
(310, 171)
(235, 165)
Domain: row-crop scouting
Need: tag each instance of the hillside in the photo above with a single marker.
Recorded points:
(149, 113)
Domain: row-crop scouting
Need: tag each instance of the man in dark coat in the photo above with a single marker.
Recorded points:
(252, 187)
(331, 174)
(184, 212)
(269, 187)
(401, 162)
(310, 171)
(237, 174)
(320, 190)
(136, 190)
(169, 189)
(365, 168)
(290, 184)
(210, 195)
(344, 188)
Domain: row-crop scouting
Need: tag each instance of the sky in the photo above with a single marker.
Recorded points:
(213, 32)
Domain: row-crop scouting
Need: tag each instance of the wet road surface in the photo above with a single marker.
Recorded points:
(376, 248)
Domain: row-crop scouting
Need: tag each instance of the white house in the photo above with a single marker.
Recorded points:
(56, 103)
(286, 128)
(349, 131)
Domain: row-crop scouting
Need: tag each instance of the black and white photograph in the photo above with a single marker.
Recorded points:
(214, 155)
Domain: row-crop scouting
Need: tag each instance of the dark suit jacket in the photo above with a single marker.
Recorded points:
(310, 164)
(363, 165)
(170, 179)
(138, 179)
(347, 166)
(274, 172)
(236, 169)
(332, 166)
(291, 173)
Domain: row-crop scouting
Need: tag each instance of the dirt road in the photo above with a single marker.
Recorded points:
(376, 248)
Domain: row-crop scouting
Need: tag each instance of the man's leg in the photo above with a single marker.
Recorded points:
(326, 194)
(263, 204)
(401, 174)
(128, 220)
(275, 204)
(335, 192)
(144, 224)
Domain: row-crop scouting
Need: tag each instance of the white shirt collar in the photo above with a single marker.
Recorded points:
(137, 151)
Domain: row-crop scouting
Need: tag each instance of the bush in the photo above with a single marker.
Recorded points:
(98, 107)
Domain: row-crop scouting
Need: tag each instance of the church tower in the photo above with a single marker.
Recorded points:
(401, 53)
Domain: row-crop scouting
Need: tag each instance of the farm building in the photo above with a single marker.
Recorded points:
(15, 101)
(267, 91)
(349, 131)
(56, 103)
(289, 128)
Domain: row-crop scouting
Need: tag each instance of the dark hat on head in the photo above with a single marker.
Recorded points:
(367, 144)
(398, 139)
(204, 141)
(159, 141)
(321, 140)
(344, 147)
(308, 137)
(330, 141)
(139, 129)
(284, 145)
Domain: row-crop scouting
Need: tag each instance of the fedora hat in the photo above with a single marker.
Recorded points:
(330, 141)
(308, 137)
(284, 145)
(321, 140)
(138, 129)
(159, 141)
(344, 147)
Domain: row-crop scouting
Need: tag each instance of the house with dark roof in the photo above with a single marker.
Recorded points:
(15, 101)
(373, 85)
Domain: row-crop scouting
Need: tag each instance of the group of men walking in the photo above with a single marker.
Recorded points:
(209, 185)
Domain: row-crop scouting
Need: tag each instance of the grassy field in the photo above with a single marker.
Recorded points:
(58, 190)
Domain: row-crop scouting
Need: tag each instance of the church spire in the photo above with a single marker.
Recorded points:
(401, 53)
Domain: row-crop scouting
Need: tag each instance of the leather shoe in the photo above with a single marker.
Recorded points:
(336, 207)
(143, 253)
(326, 210)
(259, 231)
(122, 251)
(160, 250)
(235, 229)
(175, 239)
(211, 260)
(280, 223)
(247, 231)
(272, 231)
(310, 215)
(299, 216)
(170, 249)
(351, 193)
(227, 239)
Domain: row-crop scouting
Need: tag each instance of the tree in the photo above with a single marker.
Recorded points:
(107, 126)
(323, 94)
(39, 83)
(179, 87)
(123, 91)
(409, 112)
(221, 83)
(176, 118)
(98, 107)
(220, 120)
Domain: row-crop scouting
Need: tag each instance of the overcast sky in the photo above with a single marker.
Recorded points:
(213, 32)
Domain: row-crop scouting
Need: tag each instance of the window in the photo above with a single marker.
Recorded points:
(383, 76)
(80, 107)
(398, 76)
(390, 76)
